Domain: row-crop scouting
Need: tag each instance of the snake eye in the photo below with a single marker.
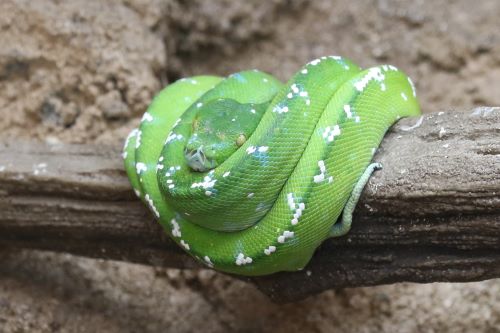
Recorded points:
(241, 140)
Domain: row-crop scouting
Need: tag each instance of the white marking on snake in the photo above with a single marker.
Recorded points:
(251, 150)
(298, 213)
(347, 110)
(207, 183)
(176, 230)
(151, 205)
(290, 200)
(172, 137)
(132, 134)
(208, 261)
(270, 249)
(138, 139)
(322, 173)
(140, 167)
(314, 62)
(185, 245)
(146, 117)
(280, 109)
(286, 235)
(374, 73)
(331, 132)
(242, 260)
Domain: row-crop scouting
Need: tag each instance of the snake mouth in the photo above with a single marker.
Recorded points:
(197, 160)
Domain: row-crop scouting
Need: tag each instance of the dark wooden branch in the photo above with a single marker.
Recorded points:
(432, 213)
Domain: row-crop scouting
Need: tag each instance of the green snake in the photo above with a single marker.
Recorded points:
(249, 175)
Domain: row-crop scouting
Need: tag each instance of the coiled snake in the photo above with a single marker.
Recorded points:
(250, 175)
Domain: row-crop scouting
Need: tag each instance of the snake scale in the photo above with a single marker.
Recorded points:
(250, 175)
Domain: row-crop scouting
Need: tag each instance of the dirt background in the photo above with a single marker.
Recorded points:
(84, 71)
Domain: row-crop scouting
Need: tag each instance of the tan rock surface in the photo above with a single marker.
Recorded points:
(81, 71)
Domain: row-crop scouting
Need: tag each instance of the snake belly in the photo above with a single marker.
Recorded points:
(269, 205)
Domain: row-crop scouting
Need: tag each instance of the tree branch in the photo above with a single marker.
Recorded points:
(432, 213)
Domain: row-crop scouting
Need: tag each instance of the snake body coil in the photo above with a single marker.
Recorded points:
(280, 163)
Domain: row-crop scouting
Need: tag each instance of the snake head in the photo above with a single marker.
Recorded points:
(198, 160)
(219, 128)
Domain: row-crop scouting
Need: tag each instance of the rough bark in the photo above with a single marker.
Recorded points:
(432, 214)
